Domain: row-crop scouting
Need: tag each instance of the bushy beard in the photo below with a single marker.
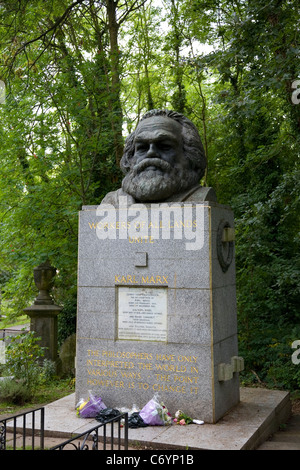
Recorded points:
(153, 185)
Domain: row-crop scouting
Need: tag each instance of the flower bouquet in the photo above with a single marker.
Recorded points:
(91, 407)
(155, 413)
(183, 419)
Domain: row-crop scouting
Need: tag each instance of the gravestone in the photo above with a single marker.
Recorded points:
(156, 296)
(67, 355)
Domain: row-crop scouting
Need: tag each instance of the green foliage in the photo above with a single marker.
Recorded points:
(14, 392)
(74, 69)
(268, 356)
(21, 359)
(67, 320)
(255, 168)
(25, 372)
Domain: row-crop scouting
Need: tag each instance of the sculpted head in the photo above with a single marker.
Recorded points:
(162, 157)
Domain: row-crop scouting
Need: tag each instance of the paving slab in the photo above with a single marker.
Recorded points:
(249, 424)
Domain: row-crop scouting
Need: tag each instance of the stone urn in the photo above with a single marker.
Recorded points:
(43, 313)
(43, 277)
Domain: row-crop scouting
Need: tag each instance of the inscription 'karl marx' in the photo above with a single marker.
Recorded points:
(134, 279)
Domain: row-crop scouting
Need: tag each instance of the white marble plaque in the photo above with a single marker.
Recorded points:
(142, 313)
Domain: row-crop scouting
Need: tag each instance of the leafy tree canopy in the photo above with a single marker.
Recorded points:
(78, 76)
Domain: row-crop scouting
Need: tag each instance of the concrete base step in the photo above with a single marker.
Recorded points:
(286, 439)
(270, 445)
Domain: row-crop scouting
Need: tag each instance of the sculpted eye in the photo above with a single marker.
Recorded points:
(142, 147)
(165, 146)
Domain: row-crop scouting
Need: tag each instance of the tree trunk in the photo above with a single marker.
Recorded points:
(116, 118)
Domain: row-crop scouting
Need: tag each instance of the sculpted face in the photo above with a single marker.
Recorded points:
(159, 138)
(159, 166)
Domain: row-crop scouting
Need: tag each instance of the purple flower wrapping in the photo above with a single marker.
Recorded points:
(92, 408)
(149, 414)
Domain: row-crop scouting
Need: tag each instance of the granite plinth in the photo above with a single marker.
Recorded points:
(182, 253)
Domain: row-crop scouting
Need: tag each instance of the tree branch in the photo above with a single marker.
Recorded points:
(135, 6)
(57, 23)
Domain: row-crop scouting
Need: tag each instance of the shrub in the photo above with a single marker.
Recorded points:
(15, 392)
(67, 319)
(22, 355)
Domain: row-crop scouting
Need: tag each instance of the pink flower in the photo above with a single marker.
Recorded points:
(182, 422)
(175, 420)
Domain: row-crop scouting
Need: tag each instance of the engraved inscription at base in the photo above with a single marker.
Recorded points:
(142, 313)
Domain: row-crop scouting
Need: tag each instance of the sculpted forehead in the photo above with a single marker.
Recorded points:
(158, 127)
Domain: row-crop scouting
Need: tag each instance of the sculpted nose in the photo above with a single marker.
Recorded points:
(152, 151)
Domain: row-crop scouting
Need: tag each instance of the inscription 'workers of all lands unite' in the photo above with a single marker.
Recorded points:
(130, 370)
(140, 226)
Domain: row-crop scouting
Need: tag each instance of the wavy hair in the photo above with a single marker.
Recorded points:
(192, 145)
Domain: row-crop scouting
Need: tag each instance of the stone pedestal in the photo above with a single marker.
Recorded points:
(157, 307)
(43, 313)
(43, 321)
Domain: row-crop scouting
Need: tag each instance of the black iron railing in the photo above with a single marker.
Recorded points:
(22, 434)
(110, 440)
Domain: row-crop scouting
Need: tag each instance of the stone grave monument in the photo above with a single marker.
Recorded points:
(43, 312)
(156, 281)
